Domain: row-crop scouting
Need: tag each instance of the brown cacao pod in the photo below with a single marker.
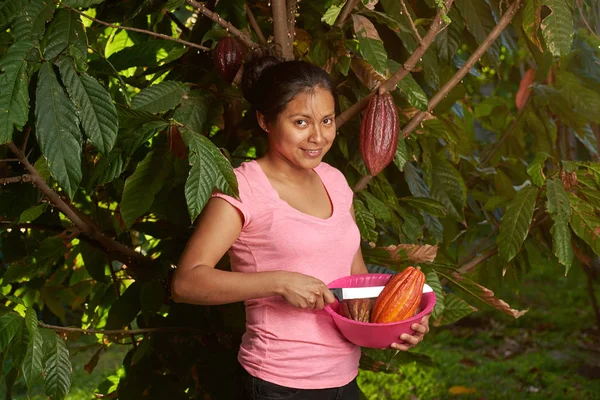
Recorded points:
(357, 309)
(379, 131)
(400, 298)
(227, 57)
(524, 90)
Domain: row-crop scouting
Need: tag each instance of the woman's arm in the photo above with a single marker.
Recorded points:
(358, 264)
(196, 281)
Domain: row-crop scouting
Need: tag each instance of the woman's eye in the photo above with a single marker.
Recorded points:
(328, 121)
(301, 122)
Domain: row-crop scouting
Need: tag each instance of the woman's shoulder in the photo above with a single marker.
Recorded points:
(331, 172)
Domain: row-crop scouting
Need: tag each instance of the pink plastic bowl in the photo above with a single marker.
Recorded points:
(377, 336)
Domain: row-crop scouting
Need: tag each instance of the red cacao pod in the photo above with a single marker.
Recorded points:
(379, 131)
(227, 57)
(357, 309)
(400, 297)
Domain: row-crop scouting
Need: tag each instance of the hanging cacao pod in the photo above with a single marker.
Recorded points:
(357, 309)
(400, 297)
(379, 131)
(228, 56)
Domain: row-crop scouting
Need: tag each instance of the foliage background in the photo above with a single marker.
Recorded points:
(114, 135)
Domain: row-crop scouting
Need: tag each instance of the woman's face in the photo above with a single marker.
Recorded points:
(304, 131)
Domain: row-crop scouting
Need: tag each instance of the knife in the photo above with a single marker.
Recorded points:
(356, 292)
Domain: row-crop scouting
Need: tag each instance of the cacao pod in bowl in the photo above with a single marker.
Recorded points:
(228, 56)
(377, 335)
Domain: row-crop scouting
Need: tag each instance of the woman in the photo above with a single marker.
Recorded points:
(292, 232)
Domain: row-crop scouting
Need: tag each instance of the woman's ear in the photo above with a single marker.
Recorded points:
(262, 121)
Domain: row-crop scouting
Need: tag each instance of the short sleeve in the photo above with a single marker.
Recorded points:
(244, 204)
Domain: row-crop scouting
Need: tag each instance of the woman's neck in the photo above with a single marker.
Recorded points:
(282, 170)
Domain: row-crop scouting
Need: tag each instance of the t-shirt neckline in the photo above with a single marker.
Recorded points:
(275, 194)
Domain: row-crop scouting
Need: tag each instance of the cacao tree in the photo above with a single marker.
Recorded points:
(117, 123)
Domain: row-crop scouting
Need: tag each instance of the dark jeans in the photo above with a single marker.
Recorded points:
(258, 389)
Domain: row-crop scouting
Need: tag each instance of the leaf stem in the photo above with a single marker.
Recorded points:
(345, 13)
(144, 31)
(254, 25)
(16, 179)
(120, 332)
(411, 22)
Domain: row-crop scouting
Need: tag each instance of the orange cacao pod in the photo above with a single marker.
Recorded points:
(379, 131)
(400, 297)
(227, 56)
(357, 309)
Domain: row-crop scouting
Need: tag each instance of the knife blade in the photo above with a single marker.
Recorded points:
(356, 292)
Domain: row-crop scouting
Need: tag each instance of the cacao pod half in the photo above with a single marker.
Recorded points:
(379, 131)
(357, 309)
(227, 57)
(400, 297)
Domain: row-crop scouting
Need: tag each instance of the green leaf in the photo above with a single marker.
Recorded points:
(426, 204)
(9, 325)
(365, 221)
(583, 99)
(557, 26)
(9, 9)
(370, 45)
(141, 187)
(14, 96)
(31, 24)
(376, 206)
(449, 39)
(57, 371)
(433, 281)
(151, 53)
(411, 90)
(209, 169)
(57, 129)
(536, 169)
(401, 156)
(558, 199)
(591, 196)
(141, 350)
(95, 108)
(32, 213)
(585, 222)
(449, 188)
(33, 364)
(480, 22)
(515, 223)
(129, 118)
(82, 3)
(66, 29)
(151, 298)
(125, 308)
(95, 261)
(531, 18)
(193, 111)
(559, 207)
(455, 309)
(332, 13)
(158, 98)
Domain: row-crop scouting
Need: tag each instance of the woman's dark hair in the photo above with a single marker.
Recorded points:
(269, 83)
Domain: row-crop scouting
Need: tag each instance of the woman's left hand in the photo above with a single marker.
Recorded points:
(411, 341)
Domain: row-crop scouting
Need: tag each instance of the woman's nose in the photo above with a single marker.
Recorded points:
(316, 135)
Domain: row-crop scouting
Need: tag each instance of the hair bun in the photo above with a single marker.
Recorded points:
(258, 61)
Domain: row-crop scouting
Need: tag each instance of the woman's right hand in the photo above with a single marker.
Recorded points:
(304, 291)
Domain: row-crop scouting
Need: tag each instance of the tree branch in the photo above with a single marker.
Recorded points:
(408, 66)
(121, 252)
(254, 25)
(345, 13)
(180, 25)
(292, 7)
(144, 31)
(120, 332)
(280, 29)
(410, 21)
(27, 132)
(16, 179)
(460, 74)
(227, 25)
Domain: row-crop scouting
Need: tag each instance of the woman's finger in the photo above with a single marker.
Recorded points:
(319, 303)
(422, 329)
(401, 347)
(414, 340)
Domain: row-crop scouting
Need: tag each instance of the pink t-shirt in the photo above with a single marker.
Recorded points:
(283, 344)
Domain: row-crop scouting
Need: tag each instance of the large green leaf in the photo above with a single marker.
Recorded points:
(34, 356)
(365, 221)
(9, 9)
(585, 222)
(158, 98)
(401, 156)
(95, 108)
(531, 18)
(66, 29)
(82, 3)
(9, 325)
(370, 45)
(376, 206)
(455, 309)
(209, 169)
(57, 130)
(536, 169)
(450, 38)
(32, 213)
(125, 308)
(411, 90)
(193, 110)
(57, 371)
(559, 207)
(557, 26)
(31, 24)
(14, 96)
(426, 204)
(147, 54)
(95, 261)
(433, 281)
(585, 100)
(449, 188)
(515, 223)
(480, 22)
(141, 187)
